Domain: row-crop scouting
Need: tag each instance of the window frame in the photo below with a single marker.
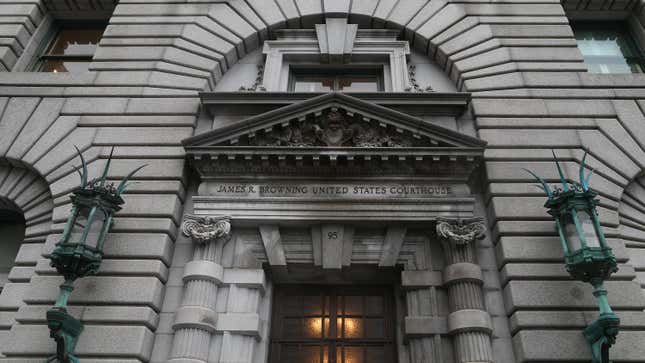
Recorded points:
(335, 294)
(622, 27)
(55, 30)
(337, 73)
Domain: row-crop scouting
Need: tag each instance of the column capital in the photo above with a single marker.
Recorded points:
(461, 231)
(204, 229)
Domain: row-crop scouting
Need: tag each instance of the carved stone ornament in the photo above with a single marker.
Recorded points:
(333, 129)
(461, 231)
(414, 85)
(257, 85)
(203, 229)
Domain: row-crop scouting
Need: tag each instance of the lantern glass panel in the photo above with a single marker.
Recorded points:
(93, 227)
(588, 231)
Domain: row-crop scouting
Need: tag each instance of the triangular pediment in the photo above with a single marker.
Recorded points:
(334, 120)
(334, 135)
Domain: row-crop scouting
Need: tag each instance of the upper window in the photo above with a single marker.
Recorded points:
(608, 48)
(71, 50)
(347, 80)
(325, 324)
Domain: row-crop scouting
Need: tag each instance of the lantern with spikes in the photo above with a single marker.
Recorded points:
(80, 249)
(587, 256)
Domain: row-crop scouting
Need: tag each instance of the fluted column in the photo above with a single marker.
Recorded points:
(469, 323)
(196, 317)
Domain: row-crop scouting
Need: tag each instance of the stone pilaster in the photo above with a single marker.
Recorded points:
(469, 323)
(196, 317)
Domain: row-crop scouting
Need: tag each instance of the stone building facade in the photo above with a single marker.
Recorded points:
(268, 216)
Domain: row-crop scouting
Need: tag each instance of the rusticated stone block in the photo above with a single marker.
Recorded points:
(99, 290)
(520, 295)
(570, 345)
(98, 341)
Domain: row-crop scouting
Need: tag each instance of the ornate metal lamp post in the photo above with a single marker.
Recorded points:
(587, 256)
(80, 251)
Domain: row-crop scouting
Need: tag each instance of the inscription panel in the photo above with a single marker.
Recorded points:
(332, 190)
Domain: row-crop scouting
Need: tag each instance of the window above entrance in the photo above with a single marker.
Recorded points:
(336, 56)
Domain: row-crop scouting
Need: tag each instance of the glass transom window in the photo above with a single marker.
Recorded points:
(71, 50)
(324, 324)
(329, 80)
(608, 48)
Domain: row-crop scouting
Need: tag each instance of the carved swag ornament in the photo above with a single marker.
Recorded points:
(203, 229)
(461, 231)
(334, 129)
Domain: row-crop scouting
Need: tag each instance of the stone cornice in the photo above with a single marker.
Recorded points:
(434, 103)
(447, 162)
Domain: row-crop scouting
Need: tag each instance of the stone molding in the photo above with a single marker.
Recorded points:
(240, 323)
(423, 326)
(469, 320)
(463, 271)
(203, 229)
(203, 270)
(420, 279)
(195, 317)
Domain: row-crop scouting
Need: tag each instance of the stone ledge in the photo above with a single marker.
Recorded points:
(130, 267)
(548, 271)
(95, 341)
(420, 279)
(195, 317)
(40, 360)
(533, 295)
(463, 271)
(523, 320)
(99, 290)
(469, 320)
(570, 345)
(240, 323)
(132, 315)
(249, 278)
(423, 326)
(203, 270)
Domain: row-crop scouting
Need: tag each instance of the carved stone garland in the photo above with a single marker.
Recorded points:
(196, 316)
(414, 85)
(259, 79)
(469, 323)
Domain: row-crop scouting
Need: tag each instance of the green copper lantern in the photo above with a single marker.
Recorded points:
(587, 256)
(80, 250)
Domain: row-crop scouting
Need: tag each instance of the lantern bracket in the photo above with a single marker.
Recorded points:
(74, 258)
(601, 335)
(588, 262)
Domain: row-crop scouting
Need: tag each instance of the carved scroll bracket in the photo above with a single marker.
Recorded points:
(203, 229)
(461, 231)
